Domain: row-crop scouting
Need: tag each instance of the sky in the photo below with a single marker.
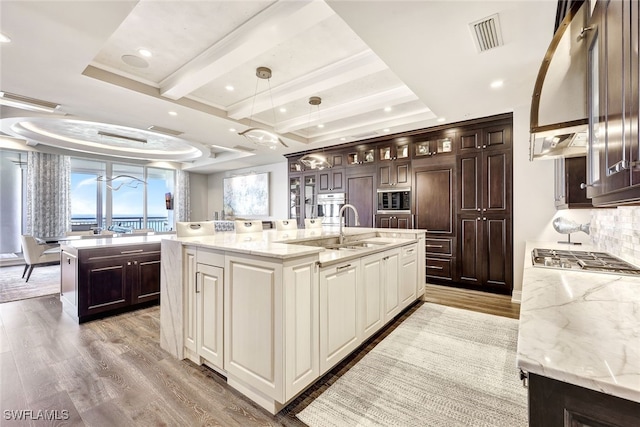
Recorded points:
(127, 201)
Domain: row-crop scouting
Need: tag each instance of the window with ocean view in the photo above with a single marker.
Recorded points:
(120, 196)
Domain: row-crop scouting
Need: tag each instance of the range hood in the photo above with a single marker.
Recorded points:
(559, 121)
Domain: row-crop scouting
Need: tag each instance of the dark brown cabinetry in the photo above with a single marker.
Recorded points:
(107, 280)
(614, 141)
(394, 165)
(331, 180)
(360, 155)
(434, 194)
(404, 221)
(485, 243)
(556, 403)
(361, 193)
(570, 177)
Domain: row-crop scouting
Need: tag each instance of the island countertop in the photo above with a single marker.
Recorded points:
(581, 328)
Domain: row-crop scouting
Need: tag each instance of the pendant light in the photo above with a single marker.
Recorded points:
(314, 160)
(256, 135)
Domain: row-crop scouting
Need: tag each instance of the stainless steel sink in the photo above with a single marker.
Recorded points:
(353, 245)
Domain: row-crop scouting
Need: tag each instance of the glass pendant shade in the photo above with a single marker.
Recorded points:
(262, 137)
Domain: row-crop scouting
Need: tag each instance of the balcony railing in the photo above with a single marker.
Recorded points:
(134, 222)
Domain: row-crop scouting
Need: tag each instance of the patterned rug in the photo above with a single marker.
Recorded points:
(442, 366)
(44, 280)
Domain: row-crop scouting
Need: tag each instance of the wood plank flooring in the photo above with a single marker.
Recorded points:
(112, 372)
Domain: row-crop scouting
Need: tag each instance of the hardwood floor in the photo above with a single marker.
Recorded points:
(112, 372)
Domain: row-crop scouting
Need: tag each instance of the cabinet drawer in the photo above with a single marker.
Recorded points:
(409, 251)
(437, 267)
(438, 246)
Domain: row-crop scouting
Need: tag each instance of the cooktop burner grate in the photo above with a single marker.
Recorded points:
(600, 262)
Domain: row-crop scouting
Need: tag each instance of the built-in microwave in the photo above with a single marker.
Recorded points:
(396, 200)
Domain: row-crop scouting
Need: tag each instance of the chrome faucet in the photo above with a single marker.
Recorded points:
(342, 220)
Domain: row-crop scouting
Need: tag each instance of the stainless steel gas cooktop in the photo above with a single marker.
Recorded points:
(600, 262)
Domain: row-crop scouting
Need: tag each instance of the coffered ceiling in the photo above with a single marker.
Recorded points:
(379, 66)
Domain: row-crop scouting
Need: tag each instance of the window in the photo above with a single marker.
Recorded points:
(121, 196)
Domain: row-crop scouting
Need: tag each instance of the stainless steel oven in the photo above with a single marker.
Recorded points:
(329, 205)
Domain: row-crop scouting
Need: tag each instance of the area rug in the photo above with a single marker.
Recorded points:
(44, 280)
(442, 366)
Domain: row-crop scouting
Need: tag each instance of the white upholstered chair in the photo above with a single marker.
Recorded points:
(313, 223)
(189, 229)
(36, 254)
(286, 224)
(248, 226)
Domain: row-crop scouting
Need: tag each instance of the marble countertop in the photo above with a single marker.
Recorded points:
(582, 328)
(291, 243)
(99, 242)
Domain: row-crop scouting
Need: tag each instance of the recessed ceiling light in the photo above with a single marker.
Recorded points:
(441, 119)
(173, 113)
(343, 139)
(232, 129)
(496, 84)
(387, 109)
(283, 110)
(229, 88)
(134, 61)
(145, 52)
(320, 125)
(4, 38)
(385, 130)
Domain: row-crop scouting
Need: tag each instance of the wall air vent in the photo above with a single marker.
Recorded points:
(486, 33)
(166, 131)
(26, 103)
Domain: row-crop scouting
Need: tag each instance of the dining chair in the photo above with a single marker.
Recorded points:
(313, 223)
(286, 224)
(201, 228)
(248, 226)
(36, 254)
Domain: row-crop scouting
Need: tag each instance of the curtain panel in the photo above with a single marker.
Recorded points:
(182, 197)
(48, 194)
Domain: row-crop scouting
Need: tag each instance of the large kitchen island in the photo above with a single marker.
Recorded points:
(273, 311)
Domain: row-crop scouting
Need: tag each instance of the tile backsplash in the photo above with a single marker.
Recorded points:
(617, 231)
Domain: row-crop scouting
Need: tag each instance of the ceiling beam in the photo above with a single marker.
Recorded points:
(276, 24)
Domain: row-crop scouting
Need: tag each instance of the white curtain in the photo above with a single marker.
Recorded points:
(182, 204)
(48, 194)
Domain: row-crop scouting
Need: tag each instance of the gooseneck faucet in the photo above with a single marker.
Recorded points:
(342, 220)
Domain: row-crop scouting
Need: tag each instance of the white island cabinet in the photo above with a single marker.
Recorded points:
(273, 311)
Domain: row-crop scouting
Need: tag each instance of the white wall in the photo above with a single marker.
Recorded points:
(199, 197)
(278, 189)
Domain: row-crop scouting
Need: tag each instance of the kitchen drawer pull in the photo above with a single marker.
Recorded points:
(435, 267)
(435, 246)
(132, 252)
(342, 267)
(409, 251)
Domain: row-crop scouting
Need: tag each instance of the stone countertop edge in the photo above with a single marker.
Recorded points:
(581, 328)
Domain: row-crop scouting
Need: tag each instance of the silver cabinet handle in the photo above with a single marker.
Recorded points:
(435, 267)
(129, 263)
(434, 246)
(197, 290)
(343, 267)
(132, 252)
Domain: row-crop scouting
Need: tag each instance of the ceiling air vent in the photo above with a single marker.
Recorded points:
(486, 33)
(166, 131)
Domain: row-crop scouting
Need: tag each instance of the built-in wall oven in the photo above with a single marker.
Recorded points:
(397, 200)
(329, 205)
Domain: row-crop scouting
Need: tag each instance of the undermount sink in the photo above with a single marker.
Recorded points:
(353, 245)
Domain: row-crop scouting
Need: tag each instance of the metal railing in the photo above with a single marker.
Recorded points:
(134, 222)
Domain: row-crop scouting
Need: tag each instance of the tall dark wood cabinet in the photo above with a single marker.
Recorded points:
(460, 178)
(485, 242)
(614, 82)
(361, 193)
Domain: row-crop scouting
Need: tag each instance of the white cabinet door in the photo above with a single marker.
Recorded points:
(339, 326)
(422, 270)
(190, 305)
(373, 288)
(408, 275)
(209, 291)
(253, 325)
(392, 291)
(302, 331)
